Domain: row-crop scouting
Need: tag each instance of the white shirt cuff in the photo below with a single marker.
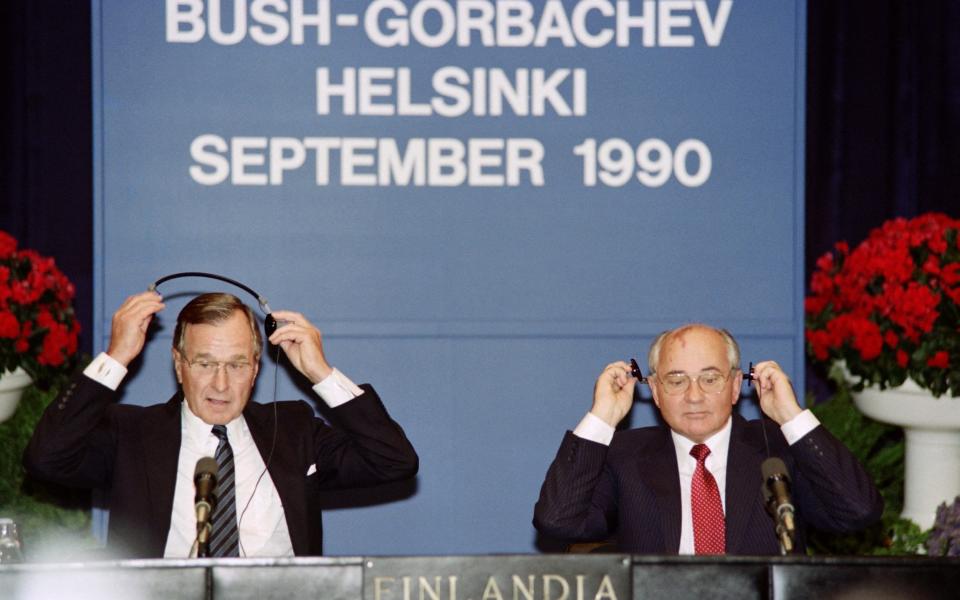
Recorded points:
(799, 426)
(594, 429)
(106, 371)
(337, 389)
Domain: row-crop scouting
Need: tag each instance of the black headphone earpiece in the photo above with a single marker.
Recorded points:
(270, 323)
(636, 372)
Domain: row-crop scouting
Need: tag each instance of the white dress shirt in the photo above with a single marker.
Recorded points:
(716, 463)
(595, 429)
(263, 528)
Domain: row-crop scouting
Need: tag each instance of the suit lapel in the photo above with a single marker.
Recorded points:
(289, 483)
(160, 439)
(743, 483)
(660, 474)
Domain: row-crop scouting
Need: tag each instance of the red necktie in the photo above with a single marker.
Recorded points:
(709, 529)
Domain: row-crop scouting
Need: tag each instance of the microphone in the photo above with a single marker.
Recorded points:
(205, 481)
(776, 491)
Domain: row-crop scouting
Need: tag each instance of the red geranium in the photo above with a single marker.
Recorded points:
(940, 360)
(38, 329)
(890, 308)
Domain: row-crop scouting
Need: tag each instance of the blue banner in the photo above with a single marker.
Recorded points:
(480, 203)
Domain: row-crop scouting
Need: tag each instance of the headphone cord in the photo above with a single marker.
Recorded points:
(273, 445)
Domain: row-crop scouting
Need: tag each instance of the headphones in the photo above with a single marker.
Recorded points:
(270, 324)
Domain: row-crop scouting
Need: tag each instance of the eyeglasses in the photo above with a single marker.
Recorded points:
(209, 368)
(710, 381)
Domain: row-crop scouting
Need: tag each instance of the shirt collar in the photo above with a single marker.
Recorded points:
(199, 432)
(719, 444)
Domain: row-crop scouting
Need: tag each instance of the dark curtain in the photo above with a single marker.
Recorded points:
(882, 133)
(883, 115)
(46, 163)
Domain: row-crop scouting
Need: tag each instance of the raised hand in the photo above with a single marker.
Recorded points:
(302, 343)
(777, 399)
(128, 330)
(613, 393)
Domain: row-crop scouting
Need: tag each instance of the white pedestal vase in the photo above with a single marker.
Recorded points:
(12, 385)
(932, 439)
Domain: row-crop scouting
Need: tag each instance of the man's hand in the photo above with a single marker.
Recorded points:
(777, 399)
(613, 393)
(128, 330)
(303, 345)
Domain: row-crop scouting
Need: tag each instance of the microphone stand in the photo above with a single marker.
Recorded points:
(203, 537)
(786, 542)
(205, 480)
(783, 519)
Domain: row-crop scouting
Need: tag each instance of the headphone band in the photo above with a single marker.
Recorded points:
(264, 306)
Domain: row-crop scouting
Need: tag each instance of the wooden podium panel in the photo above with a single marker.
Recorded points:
(659, 578)
(329, 579)
(867, 580)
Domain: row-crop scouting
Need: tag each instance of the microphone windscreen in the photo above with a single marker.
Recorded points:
(774, 466)
(205, 466)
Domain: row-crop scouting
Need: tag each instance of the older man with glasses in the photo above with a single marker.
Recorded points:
(271, 461)
(696, 486)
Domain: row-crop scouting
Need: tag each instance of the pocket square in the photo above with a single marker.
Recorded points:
(312, 469)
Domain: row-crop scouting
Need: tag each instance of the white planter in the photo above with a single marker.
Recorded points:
(11, 388)
(931, 429)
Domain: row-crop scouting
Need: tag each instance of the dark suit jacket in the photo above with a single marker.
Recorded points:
(85, 439)
(632, 489)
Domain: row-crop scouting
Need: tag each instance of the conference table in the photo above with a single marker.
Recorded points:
(489, 577)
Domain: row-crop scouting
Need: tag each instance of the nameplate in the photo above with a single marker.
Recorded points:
(589, 577)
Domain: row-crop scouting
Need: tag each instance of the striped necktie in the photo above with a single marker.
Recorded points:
(709, 527)
(225, 537)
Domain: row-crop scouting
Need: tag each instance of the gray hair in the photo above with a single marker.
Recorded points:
(733, 349)
(212, 309)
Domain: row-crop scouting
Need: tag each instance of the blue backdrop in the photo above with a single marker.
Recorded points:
(480, 203)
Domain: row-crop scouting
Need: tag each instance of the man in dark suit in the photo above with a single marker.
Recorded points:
(643, 487)
(275, 459)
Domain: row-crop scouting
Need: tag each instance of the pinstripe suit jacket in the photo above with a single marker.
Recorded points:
(85, 439)
(631, 490)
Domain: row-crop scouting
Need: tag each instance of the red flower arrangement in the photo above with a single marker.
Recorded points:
(890, 307)
(38, 329)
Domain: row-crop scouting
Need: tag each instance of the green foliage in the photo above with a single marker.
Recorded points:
(50, 518)
(880, 448)
(904, 537)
